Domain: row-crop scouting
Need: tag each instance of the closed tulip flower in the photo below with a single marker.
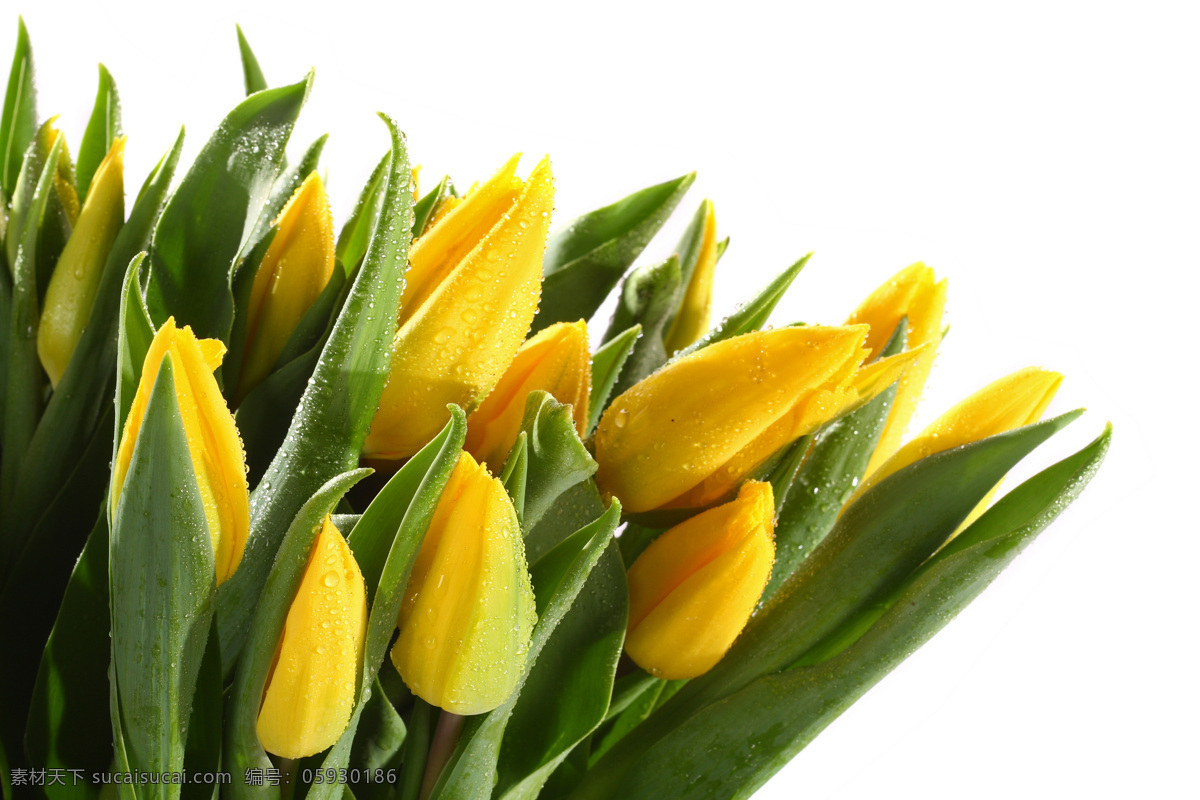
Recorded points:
(555, 360)
(468, 612)
(916, 294)
(473, 284)
(76, 277)
(297, 265)
(691, 321)
(1013, 401)
(689, 434)
(310, 692)
(212, 437)
(693, 589)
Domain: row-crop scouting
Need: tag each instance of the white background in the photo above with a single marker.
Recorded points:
(1043, 156)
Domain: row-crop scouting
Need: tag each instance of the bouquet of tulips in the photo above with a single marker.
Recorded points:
(290, 511)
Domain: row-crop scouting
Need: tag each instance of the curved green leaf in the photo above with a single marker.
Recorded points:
(213, 212)
(557, 458)
(730, 748)
(284, 188)
(339, 401)
(875, 546)
(355, 235)
(585, 260)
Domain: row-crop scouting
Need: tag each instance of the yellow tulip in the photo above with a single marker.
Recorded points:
(691, 321)
(311, 689)
(76, 277)
(473, 284)
(555, 360)
(216, 449)
(693, 589)
(913, 293)
(468, 612)
(1013, 401)
(686, 436)
(297, 265)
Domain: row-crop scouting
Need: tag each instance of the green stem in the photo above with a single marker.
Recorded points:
(445, 738)
(416, 749)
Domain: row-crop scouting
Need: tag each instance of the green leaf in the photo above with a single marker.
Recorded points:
(34, 590)
(161, 584)
(213, 212)
(33, 165)
(828, 477)
(730, 748)
(566, 695)
(378, 743)
(251, 72)
(83, 399)
(631, 716)
(242, 749)
(68, 721)
(557, 458)
(649, 297)
(19, 122)
(585, 260)
(340, 401)
(356, 233)
(202, 750)
(428, 206)
(607, 363)
(433, 466)
(875, 546)
(135, 332)
(103, 126)
(515, 475)
(23, 401)
(688, 250)
(753, 315)
(558, 578)
(284, 188)
(265, 413)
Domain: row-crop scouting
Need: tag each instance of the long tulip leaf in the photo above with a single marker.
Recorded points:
(161, 585)
(875, 546)
(407, 506)
(135, 332)
(585, 260)
(243, 750)
(339, 400)
(213, 212)
(427, 207)
(515, 475)
(732, 747)
(103, 126)
(283, 189)
(19, 121)
(607, 363)
(558, 578)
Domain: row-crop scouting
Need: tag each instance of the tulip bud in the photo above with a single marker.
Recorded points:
(468, 612)
(911, 293)
(693, 589)
(297, 265)
(472, 289)
(555, 360)
(212, 437)
(691, 321)
(311, 689)
(1012, 402)
(76, 278)
(686, 436)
